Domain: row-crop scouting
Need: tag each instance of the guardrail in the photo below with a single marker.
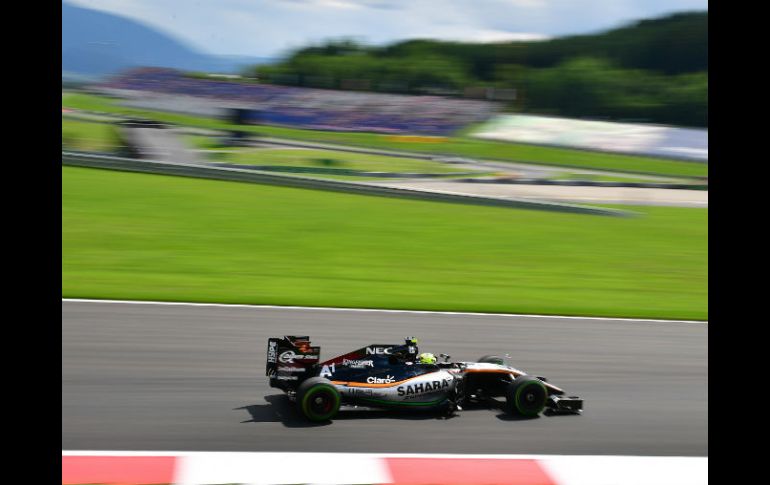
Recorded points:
(252, 176)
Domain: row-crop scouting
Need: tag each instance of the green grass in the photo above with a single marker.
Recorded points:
(88, 136)
(324, 161)
(140, 236)
(458, 146)
(89, 102)
(203, 142)
(329, 159)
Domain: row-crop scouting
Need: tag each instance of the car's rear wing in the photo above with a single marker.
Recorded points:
(289, 360)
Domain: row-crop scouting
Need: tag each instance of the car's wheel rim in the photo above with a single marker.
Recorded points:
(531, 399)
(321, 403)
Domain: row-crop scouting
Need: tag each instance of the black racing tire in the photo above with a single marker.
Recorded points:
(526, 396)
(492, 359)
(318, 399)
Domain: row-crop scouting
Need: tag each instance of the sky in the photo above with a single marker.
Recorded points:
(273, 28)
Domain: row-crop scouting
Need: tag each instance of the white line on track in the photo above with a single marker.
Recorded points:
(337, 309)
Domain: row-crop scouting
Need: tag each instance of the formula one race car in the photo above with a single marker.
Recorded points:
(392, 376)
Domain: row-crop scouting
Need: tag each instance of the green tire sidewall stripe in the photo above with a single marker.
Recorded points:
(521, 389)
(314, 390)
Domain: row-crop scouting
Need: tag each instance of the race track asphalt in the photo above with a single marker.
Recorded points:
(191, 378)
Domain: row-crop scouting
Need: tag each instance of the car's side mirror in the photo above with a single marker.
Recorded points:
(445, 357)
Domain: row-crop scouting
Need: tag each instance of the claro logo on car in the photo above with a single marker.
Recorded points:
(422, 387)
(289, 356)
(381, 380)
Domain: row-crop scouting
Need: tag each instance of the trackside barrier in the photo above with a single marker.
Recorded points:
(252, 176)
(204, 468)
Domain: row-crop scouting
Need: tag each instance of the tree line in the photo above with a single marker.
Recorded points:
(654, 70)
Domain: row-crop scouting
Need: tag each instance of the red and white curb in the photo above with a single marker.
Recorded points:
(205, 468)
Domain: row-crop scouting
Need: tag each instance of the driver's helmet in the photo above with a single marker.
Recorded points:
(406, 353)
(426, 358)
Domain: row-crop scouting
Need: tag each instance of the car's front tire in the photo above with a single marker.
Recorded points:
(526, 396)
(318, 399)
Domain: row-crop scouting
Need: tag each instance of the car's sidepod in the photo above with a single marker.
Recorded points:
(425, 389)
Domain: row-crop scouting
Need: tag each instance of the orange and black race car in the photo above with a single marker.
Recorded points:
(398, 376)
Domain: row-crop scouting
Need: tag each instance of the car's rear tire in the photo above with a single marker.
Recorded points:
(492, 359)
(318, 399)
(526, 396)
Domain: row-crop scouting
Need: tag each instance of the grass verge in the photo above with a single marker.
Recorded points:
(327, 159)
(151, 237)
(89, 136)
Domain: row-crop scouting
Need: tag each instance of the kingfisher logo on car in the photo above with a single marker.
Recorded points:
(358, 363)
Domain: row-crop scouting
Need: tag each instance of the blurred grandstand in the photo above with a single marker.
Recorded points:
(169, 89)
